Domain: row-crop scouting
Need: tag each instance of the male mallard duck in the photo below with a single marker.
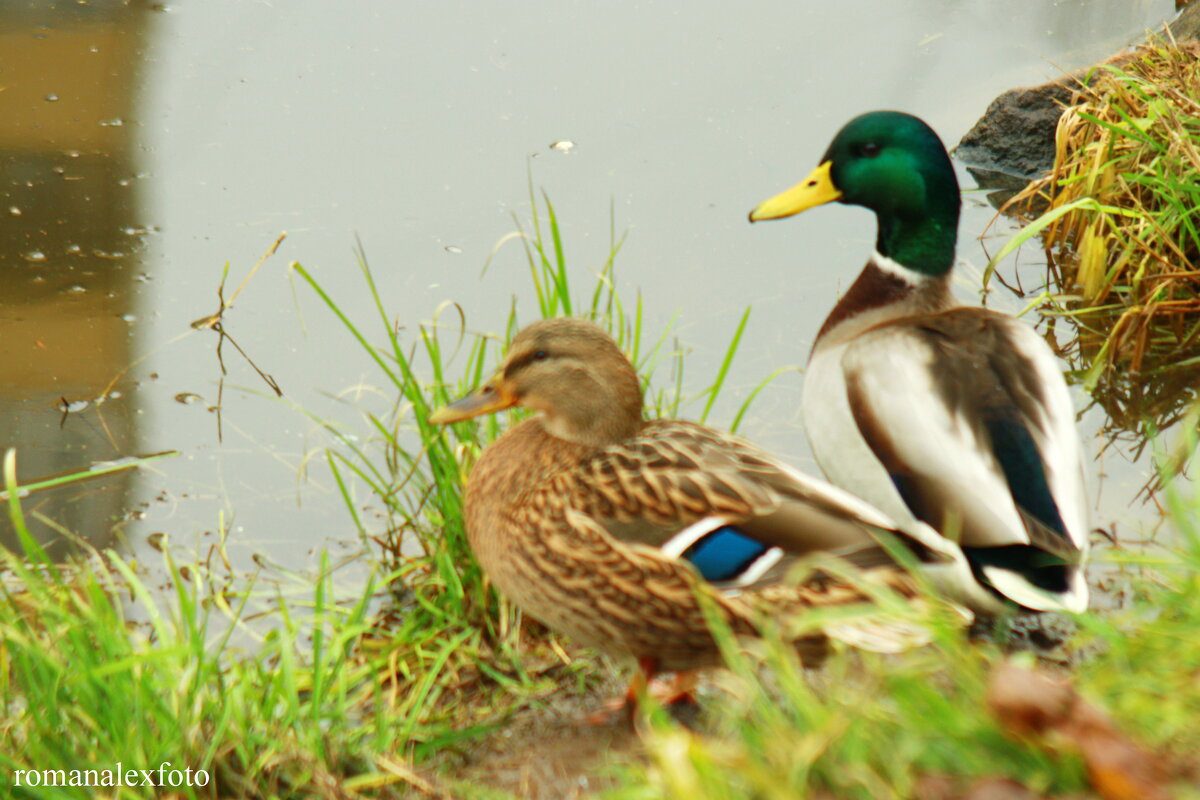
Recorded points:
(952, 415)
(607, 527)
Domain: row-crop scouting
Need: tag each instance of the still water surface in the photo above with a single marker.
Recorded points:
(143, 147)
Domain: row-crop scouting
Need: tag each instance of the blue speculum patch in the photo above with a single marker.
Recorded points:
(724, 554)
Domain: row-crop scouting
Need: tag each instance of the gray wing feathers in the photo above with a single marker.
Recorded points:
(920, 393)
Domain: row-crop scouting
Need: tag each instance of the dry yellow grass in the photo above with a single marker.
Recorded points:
(1127, 174)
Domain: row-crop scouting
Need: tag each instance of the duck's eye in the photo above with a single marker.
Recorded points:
(540, 355)
(869, 149)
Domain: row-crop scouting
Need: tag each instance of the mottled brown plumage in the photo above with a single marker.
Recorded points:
(575, 513)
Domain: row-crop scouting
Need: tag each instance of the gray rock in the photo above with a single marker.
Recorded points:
(1187, 24)
(1015, 136)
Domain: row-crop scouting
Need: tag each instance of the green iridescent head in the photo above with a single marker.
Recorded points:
(895, 165)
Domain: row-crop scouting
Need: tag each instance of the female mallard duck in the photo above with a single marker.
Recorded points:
(955, 416)
(609, 528)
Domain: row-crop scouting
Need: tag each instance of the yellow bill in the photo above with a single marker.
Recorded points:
(485, 400)
(815, 190)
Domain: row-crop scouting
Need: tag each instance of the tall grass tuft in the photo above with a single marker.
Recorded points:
(1122, 233)
(102, 672)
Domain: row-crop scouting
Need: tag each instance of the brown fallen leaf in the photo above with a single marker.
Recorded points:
(942, 787)
(1029, 702)
(936, 787)
(999, 789)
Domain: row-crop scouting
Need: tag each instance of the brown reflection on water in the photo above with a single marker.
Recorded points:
(1140, 402)
(69, 237)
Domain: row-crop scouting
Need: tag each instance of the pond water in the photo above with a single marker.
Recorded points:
(145, 146)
